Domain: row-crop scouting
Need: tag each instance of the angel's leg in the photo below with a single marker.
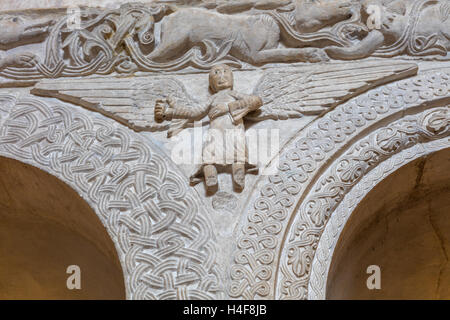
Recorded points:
(210, 173)
(238, 174)
(289, 55)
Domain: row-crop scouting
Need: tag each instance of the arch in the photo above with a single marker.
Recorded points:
(402, 227)
(330, 236)
(163, 239)
(45, 228)
(276, 241)
(341, 176)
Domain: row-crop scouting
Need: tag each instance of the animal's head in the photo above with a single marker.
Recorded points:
(391, 16)
(313, 15)
(16, 23)
(17, 30)
(220, 78)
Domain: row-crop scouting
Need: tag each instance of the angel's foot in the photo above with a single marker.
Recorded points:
(211, 181)
(196, 176)
(238, 174)
(315, 55)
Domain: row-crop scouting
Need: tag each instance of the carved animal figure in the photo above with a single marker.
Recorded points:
(420, 27)
(254, 38)
(20, 30)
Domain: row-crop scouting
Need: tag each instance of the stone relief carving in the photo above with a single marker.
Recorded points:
(226, 110)
(258, 244)
(415, 28)
(328, 240)
(335, 183)
(296, 92)
(134, 64)
(129, 101)
(149, 38)
(163, 238)
(286, 93)
(19, 31)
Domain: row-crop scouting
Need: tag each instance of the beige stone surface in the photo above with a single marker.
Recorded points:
(12, 5)
(46, 227)
(402, 226)
(101, 97)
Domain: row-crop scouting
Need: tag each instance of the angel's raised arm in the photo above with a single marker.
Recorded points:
(178, 111)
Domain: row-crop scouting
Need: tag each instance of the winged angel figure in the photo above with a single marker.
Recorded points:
(161, 103)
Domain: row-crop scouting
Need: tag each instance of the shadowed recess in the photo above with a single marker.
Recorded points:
(45, 226)
(403, 227)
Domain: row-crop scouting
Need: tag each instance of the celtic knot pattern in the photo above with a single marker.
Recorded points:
(258, 244)
(163, 239)
(336, 182)
(330, 236)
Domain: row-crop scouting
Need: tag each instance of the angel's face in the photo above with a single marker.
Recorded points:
(220, 78)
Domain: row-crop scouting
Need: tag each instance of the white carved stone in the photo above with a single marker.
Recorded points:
(327, 243)
(356, 89)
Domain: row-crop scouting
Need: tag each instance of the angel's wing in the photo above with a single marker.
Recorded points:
(311, 90)
(130, 101)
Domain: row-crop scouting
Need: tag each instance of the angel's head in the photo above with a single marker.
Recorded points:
(220, 78)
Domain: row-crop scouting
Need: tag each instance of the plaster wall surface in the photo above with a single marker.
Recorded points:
(46, 227)
(402, 226)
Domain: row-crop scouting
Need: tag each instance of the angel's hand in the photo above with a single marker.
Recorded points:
(235, 105)
(160, 113)
(170, 102)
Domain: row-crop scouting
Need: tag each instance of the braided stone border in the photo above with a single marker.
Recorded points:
(322, 259)
(270, 214)
(339, 179)
(164, 240)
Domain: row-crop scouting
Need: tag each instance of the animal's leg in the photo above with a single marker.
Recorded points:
(165, 51)
(172, 44)
(363, 49)
(289, 55)
(238, 174)
(210, 173)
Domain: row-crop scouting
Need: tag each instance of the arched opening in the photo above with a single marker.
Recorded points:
(45, 226)
(403, 227)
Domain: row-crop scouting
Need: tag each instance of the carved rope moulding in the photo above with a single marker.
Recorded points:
(269, 216)
(163, 239)
(345, 172)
